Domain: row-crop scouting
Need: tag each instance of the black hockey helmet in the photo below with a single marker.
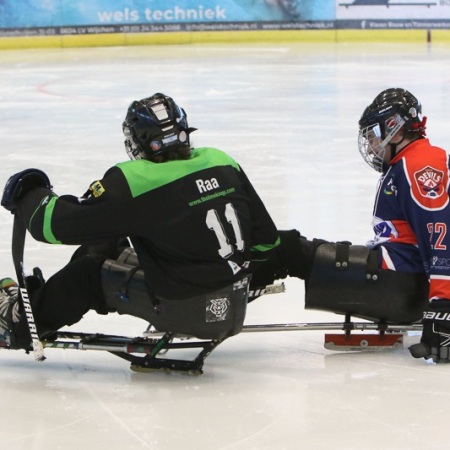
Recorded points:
(392, 110)
(153, 125)
(390, 102)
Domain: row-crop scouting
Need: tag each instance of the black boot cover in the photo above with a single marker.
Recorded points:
(345, 279)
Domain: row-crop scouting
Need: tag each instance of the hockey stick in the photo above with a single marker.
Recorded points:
(18, 246)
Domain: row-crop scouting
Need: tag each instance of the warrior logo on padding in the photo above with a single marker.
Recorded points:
(430, 182)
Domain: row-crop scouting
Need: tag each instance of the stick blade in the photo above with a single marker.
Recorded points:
(38, 350)
(420, 350)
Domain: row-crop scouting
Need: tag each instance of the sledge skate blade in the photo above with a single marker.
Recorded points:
(142, 369)
(363, 342)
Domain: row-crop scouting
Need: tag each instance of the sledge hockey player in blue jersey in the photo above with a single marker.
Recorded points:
(173, 236)
(411, 217)
(403, 274)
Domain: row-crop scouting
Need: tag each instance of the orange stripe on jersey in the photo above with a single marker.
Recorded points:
(429, 181)
(404, 233)
(439, 287)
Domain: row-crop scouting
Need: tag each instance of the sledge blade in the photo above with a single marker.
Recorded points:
(363, 342)
(144, 369)
(151, 364)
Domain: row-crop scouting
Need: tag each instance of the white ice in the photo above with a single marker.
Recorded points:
(288, 114)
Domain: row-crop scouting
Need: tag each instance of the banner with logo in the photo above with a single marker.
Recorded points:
(393, 14)
(70, 13)
(49, 17)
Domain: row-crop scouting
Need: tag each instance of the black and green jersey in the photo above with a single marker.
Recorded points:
(195, 224)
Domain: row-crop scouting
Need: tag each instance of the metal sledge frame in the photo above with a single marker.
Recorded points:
(347, 327)
(388, 336)
(148, 352)
(144, 353)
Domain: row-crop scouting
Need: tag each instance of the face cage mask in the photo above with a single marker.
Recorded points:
(372, 146)
(132, 151)
(131, 147)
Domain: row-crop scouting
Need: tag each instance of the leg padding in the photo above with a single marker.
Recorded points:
(214, 315)
(345, 279)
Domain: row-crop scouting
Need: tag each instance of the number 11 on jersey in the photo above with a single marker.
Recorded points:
(214, 223)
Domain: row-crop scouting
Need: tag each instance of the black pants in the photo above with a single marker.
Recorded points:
(70, 293)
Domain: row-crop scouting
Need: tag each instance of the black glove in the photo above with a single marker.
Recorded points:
(435, 341)
(296, 253)
(21, 183)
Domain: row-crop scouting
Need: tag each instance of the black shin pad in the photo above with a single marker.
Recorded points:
(345, 279)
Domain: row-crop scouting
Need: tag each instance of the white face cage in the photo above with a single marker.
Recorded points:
(371, 144)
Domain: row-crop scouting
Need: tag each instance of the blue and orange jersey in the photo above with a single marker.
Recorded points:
(411, 213)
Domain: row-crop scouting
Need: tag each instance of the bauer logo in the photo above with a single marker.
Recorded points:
(217, 309)
(432, 315)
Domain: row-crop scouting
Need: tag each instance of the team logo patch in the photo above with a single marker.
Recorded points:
(384, 229)
(217, 309)
(96, 188)
(390, 188)
(429, 182)
(429, 188)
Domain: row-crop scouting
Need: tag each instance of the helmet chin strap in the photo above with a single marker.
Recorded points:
(393, 147)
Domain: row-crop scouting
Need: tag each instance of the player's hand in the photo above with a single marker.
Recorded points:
(21, 183)
(435, 341)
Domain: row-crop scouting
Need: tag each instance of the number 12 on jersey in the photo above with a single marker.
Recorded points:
(437, 232)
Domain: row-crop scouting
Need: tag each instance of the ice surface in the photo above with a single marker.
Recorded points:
(288, 114)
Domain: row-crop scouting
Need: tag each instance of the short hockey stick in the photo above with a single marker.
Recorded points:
(18, 246)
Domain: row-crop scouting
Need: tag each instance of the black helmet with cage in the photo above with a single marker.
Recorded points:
(154, 126)
(392, 110)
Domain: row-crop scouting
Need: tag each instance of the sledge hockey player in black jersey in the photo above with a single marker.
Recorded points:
(173, 236)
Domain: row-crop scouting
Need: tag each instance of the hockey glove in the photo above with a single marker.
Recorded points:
(297, 253)
(21, 183)
(435, 341)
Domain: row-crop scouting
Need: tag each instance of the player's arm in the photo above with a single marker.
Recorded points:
(67, 219)
(264, 237)
(427, 208)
